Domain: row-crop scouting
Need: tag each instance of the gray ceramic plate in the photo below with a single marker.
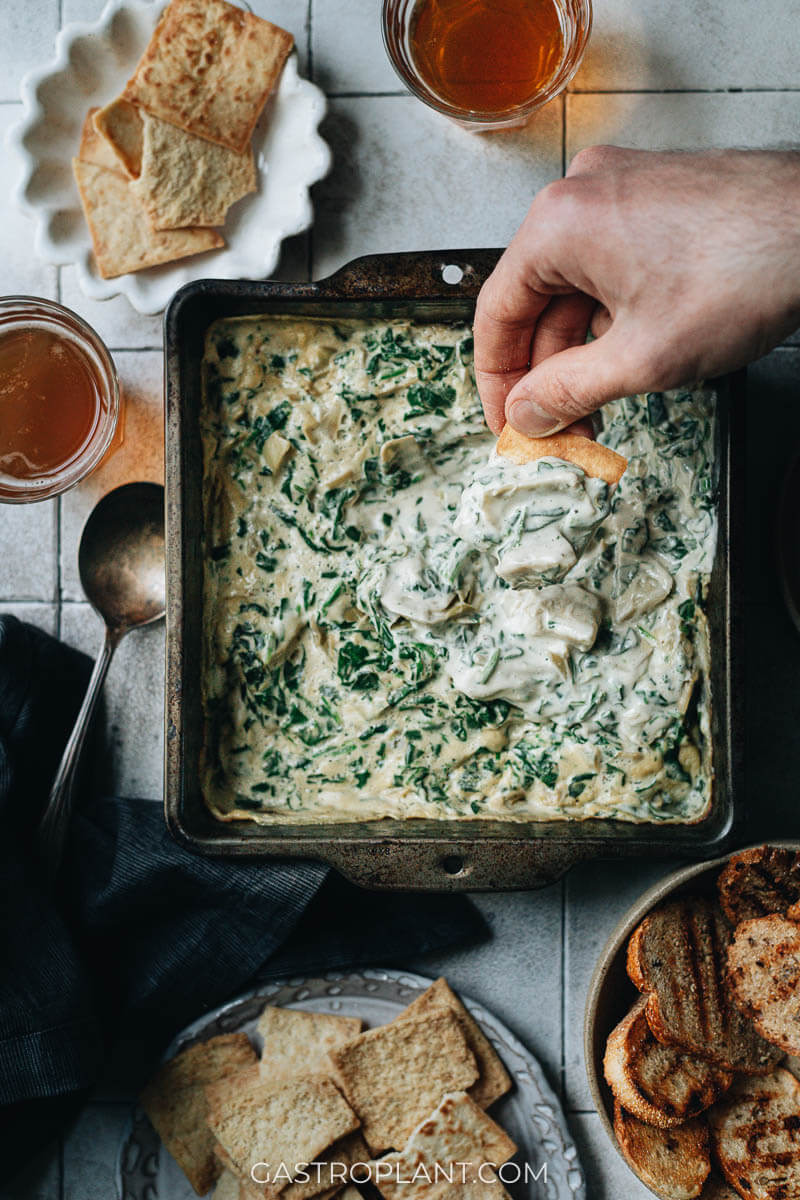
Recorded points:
(531, 1113)
(611, 992)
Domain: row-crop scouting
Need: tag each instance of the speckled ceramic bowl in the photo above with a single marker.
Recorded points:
(611, 992)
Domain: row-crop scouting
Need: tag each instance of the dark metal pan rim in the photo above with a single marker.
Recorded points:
(413, 854)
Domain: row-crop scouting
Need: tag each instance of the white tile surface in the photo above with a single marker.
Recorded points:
(597, 895)
(365, 67)
(22, 272)
(28, 37)
(137, 454)
(43, 616)
(405, 178)
(116, 321)
(669, 44)
(608, 1177)
(686, 122)
(133, 703)
(28, 547)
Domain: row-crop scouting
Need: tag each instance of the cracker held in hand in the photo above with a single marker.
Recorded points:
(175, 1102)
(186, 180)
(120, 125)
(458, 1132)
(597, 461)
(658, 1084)
(393, 1076)
(298, 1042)
(286, 1122)
(121, 236)
(494, 1080)
(209, 69)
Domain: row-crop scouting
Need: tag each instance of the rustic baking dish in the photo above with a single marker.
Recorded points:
(413, 854)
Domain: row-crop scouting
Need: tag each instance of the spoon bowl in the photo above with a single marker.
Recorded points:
(121, 556)
(121, 564)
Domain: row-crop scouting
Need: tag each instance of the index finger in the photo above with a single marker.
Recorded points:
(505, 317)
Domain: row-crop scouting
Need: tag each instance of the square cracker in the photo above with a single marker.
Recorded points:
(493, 1080)
(209, 68)
(298, 1042)
(289, 1121)
(175, 1101)
(394, 1075)
(120, 125)
(459, 1137)
(122, 238)
(327, 1168)
(186, 180)
(599, 462)
(94, 148)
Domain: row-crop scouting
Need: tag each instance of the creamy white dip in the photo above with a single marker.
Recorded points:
(401, 623)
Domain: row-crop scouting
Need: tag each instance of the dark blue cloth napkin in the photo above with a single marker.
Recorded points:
(141, 936)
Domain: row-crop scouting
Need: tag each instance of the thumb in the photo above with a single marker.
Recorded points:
(569, 385)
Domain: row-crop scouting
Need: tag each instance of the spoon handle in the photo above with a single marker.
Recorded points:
(51, 835)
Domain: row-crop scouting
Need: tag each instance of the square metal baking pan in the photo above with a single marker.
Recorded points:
(413, 854)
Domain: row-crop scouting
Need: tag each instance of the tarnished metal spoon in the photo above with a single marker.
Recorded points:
(121, 564)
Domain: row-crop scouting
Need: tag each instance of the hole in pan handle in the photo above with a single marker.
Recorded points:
(452, 274)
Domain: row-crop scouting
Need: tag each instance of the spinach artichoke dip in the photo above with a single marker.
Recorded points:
(400, 623)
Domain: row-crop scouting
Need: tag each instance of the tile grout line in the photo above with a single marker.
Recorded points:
(310, 232)
(667, 91)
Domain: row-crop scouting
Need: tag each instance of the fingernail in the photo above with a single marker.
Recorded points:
(528, 418)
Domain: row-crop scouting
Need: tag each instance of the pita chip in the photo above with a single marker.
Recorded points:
(186, 180)
(599, 462)
(122, 238)
(209, 69)
(120, 124)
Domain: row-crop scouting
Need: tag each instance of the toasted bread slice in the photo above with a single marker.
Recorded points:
(755, 1131)
(677, 958)
(764, 976)
(758, 882)
(658, 1084)
(596, 460)
(494, 1080)
(674, 1163)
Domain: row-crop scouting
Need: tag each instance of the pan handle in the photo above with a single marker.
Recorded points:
(435, 866)
(421, 274)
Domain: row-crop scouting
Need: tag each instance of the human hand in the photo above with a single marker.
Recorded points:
(683, 266)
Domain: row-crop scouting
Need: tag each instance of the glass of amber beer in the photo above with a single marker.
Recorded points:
(59, 399)
(486, 64)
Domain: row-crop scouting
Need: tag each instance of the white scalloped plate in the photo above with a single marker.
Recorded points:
(92, 65)
(530, 1112)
